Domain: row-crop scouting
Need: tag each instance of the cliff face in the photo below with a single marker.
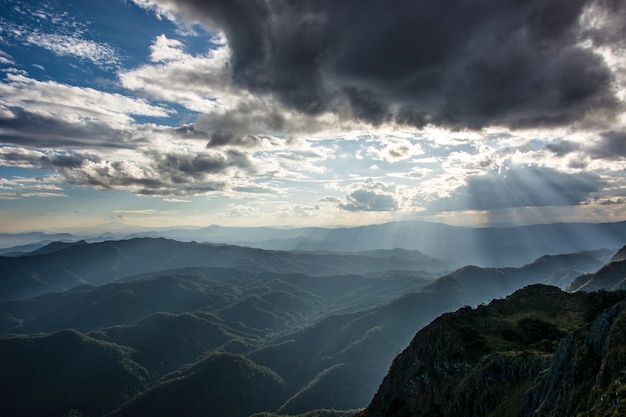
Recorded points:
(540, 352)
(587, 375)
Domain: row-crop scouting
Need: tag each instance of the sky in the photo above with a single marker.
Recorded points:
(162, 113)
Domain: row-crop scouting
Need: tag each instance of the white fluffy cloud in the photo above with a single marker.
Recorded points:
(199, 83)
(72, 104)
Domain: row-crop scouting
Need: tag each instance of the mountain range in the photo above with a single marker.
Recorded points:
(60, 266)
(612, 276)
(153, 326)
(482, 246)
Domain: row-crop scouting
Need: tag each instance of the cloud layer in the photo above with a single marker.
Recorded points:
(314, 108)
(460, 63)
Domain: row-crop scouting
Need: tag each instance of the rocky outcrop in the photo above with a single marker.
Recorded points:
(418, 381)
(475, 363)
(434, 377)
(587, 375)
(492, 387)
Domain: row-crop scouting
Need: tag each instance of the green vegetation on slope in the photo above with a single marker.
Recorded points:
(485, 361)
(51, 375)
(220, 385)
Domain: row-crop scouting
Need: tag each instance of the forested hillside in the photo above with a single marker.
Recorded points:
(253, 334)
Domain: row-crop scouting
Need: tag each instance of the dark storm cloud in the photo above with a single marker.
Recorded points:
(458, 63)
(240, 126)
(562, 147)
(366, 105)
(611, 146)
(367, 200)
(522, 186)
(180, 168)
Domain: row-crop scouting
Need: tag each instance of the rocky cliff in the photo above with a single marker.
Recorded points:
(587, 374)
(540, 352)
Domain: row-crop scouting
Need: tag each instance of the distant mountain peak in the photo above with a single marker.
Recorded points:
(55, 247)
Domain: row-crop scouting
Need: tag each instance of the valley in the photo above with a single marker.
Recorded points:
(159, 327)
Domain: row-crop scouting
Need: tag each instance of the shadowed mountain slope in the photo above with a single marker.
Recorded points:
(262, 301)
(87, 307)
(611, 276)
(511, 358)
(54, 374)
(472, 285)
(163, 342)
(368, 340)
(54, 247)
(222, 385)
